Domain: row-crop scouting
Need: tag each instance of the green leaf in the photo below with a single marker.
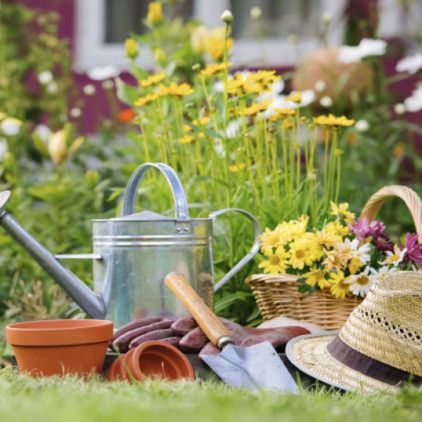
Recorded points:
(126, 93)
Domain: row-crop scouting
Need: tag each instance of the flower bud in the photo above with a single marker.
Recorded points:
(155, 12)
(256, 13)
(131, 48)
(226, 17)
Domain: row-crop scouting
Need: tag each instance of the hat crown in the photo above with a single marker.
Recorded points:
(387, 325)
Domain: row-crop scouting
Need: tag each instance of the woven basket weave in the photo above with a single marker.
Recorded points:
(277, 294)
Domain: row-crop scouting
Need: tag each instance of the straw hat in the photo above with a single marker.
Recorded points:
(380, 345)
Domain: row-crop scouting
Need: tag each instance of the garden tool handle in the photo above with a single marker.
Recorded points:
(252, 252)
(210, 324)
(179, 196)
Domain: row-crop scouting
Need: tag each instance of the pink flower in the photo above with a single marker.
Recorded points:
(363, 228)
(375, 229)
(414, 248)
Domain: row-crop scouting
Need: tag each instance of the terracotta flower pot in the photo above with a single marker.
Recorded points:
(152, 359)
(58, 347)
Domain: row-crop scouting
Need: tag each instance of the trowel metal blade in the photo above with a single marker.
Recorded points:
(254, 367)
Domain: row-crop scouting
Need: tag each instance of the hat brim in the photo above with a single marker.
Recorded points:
(310, 355)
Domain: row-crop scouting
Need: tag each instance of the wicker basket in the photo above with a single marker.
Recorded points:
(277, 295)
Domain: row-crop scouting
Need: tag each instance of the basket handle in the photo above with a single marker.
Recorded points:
(409, 197)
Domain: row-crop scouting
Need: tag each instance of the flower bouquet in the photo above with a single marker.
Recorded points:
(341, 260)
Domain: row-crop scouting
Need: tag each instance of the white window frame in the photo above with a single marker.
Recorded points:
(92, 51)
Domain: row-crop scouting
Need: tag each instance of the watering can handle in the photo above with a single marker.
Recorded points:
(179, 196)
(252, 252)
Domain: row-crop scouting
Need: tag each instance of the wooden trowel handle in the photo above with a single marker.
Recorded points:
(210, 324)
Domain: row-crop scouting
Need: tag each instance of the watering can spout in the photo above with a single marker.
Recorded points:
(93, 304)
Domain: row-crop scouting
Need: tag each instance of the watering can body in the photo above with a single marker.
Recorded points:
(134, 252)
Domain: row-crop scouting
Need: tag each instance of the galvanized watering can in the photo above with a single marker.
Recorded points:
(133, 253)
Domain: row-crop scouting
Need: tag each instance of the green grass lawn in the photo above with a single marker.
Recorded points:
(26, 399)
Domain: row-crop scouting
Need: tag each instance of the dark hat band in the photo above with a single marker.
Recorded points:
(368, 366)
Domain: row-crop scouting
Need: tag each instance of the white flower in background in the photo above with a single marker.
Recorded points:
(10, 126)
(219, 148)
(360, 283)
(410, 64)
(320, 85)
(4, 148)
(349, 54)
(256, 13)
(219, 86)
(75, 112)
(276, 88)
(52, 87)
(281, 101)
(89, 89)
(366, 48)
(362, 125)
(414, 102)
(107, 84)
(326, 17)
(394, 258)
(43, 131)
(45, 77)
(399, 108)
(226, 17)
(326, 101)
(233, 128)
(103, 73)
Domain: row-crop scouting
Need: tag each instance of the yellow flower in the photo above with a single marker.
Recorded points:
(295, 97)
(336, 228)
(341, 210)
(316, 277)
(326, 239)
(269, 239)
(333, 260)
(186, 128)
(355, 265)
(155, 12)
(187, 139)
(255, 108)
(288, 123)
(215, 42)
(303, 252)
(276, 262)
(331, 120)
(340, 288)
(152, 80)
(202, 121)
(141, 101)
(131, 48)
(280, 113)
(212, 69)
(176, 90)
(235, 168)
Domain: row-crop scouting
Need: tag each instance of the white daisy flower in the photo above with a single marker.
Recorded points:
(394, 258)
(103, 73)
(361, 283)
(410, 64)
(10, 126)
(45, 77)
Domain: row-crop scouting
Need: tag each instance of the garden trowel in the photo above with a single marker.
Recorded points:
(253, 367)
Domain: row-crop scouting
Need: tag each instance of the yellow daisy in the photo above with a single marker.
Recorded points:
(331, 120)
(269, 239)
(176, 90)
(342, 211)
(212, 69)
(152, 80)
(340, 288)
(235, 168)
(141, 101)
(187, 139)
(276, 263)
(316, 277)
